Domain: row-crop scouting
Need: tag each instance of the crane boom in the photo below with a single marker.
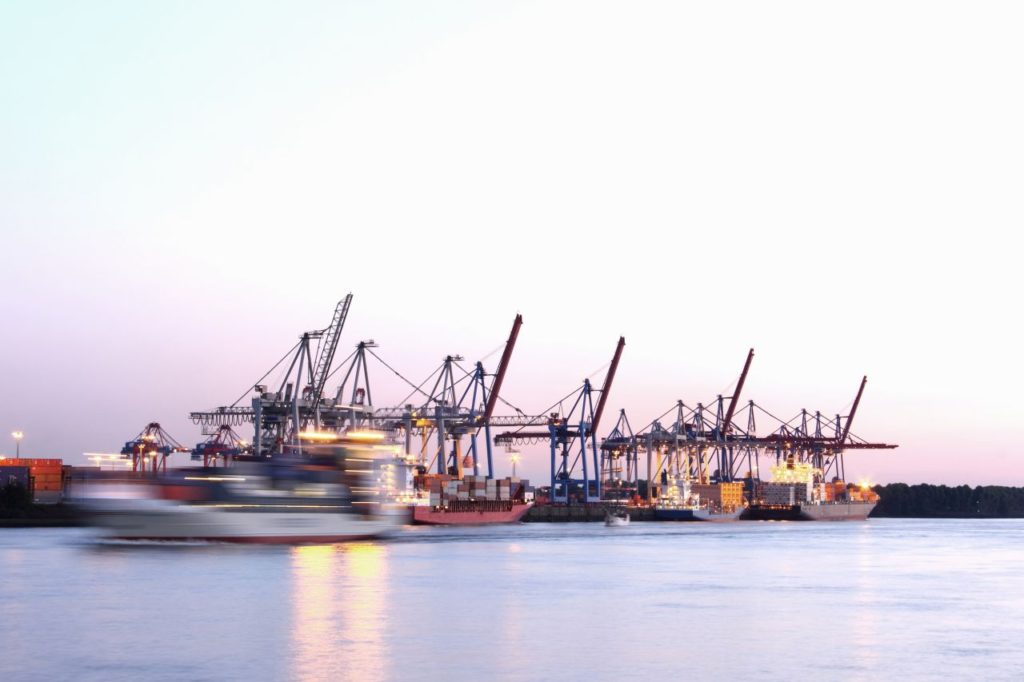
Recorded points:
(736, 393)
(492, 399)
(606, 389)
(853, 410)
(330, 345)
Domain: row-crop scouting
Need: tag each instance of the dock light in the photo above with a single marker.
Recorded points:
(17, 435)
(514, 457)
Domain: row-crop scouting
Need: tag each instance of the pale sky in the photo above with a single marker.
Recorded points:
(185, 187)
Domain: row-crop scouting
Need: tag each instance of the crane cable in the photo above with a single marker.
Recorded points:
(285, 357)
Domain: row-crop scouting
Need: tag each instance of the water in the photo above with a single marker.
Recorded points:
(912, 599)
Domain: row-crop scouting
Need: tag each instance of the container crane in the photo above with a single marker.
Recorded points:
(221, 447)
(279, 416)
(151, 448)
(572, 438)
(449, 415)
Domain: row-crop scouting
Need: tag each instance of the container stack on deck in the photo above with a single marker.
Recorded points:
(45, 477)
(720, 495)
(443, 489)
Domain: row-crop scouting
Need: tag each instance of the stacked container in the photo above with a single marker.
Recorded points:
(47, 477)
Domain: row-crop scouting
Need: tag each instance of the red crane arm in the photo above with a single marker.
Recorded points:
(606, 389)
(492, 399)
(736, 393)
(853, 410)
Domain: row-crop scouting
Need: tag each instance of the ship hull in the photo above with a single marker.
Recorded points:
(443, 516)
(839, 511)
(170, 522)
(696, 515)
(680, 514)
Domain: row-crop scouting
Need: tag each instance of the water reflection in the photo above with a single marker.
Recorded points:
(864, 614)
(338, 602)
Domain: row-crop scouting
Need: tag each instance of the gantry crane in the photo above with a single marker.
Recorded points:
(572, 438)
(149, 450)
(280, 416)
(221, 447)
(451, 414)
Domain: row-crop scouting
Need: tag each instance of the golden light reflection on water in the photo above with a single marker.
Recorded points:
(864, 617)
(512, 613)
(339, 607)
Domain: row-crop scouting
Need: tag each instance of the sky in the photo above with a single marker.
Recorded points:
(186, 187)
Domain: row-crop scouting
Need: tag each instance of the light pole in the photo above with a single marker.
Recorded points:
(18, 435)
(515, 459)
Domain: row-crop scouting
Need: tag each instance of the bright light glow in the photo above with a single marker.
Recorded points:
(318, 435)
(801, 472)
(113, 460)
(371, 436)
(18, 435)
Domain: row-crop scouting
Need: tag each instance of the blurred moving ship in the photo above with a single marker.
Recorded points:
(318, 499)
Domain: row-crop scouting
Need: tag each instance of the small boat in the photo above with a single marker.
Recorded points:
(616, 519)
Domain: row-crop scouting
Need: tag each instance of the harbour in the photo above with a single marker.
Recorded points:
(322, 455)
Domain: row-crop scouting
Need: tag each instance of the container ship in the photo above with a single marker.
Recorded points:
(686, 501)
(320, 499)
(796, 494)
(471, 501)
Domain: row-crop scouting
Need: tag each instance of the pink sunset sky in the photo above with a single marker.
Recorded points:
(185, 188)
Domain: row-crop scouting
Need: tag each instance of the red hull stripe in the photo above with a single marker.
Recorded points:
(428, 516)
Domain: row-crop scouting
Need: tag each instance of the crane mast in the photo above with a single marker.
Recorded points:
(328, 347)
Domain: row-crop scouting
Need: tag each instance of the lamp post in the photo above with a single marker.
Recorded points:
(514, 458)
(18, 435)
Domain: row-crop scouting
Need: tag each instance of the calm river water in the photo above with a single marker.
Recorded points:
(911, 599)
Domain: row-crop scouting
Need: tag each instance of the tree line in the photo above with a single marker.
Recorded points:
(940, 501)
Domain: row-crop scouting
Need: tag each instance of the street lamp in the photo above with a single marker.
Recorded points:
(514, 458)
(18, 435)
